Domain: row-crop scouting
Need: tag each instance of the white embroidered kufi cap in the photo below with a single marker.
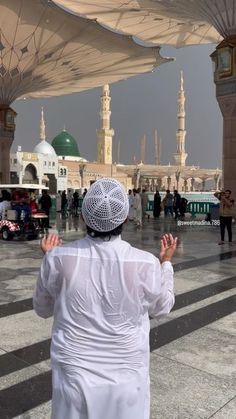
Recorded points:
(105, 205)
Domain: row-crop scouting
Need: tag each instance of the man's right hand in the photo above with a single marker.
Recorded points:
(168, 247)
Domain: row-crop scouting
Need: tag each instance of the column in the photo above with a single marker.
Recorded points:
(185, 185)
(203, 184)
(7, 131)
(216, 181)
(137, 178)
(159, 183)
(81, 172)
(168, 182)
(192, 184)
(177, 177)
(225, 80)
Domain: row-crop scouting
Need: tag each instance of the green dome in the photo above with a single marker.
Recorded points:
(65, 145)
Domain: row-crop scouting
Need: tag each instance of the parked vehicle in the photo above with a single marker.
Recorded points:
(18, 221)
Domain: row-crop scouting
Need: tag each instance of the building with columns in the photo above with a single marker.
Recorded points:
(41, 166)
(60, 166)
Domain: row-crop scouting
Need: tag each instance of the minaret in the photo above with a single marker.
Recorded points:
(157, 141)
(180, 155)
(105, 133)
(143, 149)
(42, 134)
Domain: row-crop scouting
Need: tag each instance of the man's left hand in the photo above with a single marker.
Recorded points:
(49, 242)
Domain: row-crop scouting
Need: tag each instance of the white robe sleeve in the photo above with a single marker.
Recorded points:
(159, 289)
(166, 298)
(47, 287)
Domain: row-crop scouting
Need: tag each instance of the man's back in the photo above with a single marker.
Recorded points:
(169, 200)
(102, 297)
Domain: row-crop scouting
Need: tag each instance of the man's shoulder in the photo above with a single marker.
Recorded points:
(140, 255)
(66, 249)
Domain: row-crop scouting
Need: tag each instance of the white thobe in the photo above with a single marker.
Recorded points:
(58, 202)
(131, 207)
(101, 294)
(138, 209)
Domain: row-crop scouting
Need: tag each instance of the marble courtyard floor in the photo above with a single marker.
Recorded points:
(193, 362)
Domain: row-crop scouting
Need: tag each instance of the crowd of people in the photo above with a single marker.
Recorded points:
(69, 202)
(25, 204)
(172, 204)
(102, 293)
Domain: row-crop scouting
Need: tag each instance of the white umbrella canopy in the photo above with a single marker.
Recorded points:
(46, 51)
(173, 22)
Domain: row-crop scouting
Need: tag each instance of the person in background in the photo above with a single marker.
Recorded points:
(45, 203)
(176, 204)
(20, 203)
(168, 203)
(226, 214)
(69, 200)
(33, 204)
(144, 203)
(131, 205)
(157, 205)
(58, 201)
(76, 203)
(183, 207)
(84, 193)
(5, 203)
(64, 203)
(137, 208)
(102, 292)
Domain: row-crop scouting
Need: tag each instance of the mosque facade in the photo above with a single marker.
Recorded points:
(60, 166)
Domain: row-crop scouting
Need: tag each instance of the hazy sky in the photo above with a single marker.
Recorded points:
(138, 105)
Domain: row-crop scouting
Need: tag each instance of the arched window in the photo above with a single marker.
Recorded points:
(30, 175)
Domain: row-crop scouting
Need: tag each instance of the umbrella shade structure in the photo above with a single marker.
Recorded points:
(47, 51)
(172, 22)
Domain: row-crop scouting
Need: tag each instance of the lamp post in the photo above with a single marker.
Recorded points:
(159, 183)
(203, 184)
(177, 176)
(137, 177)
(192, 183)
(81, 172)
(168, 182)
(185, 185)
(216, 179)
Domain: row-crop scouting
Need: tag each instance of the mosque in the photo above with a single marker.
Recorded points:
(60, 166)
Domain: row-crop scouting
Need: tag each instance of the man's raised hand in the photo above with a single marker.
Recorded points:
(49, 242)
(168, 247)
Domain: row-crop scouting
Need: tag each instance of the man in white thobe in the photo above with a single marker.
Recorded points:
(101, 291)
(137, 203)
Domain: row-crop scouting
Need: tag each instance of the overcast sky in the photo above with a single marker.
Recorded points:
(138, 105)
